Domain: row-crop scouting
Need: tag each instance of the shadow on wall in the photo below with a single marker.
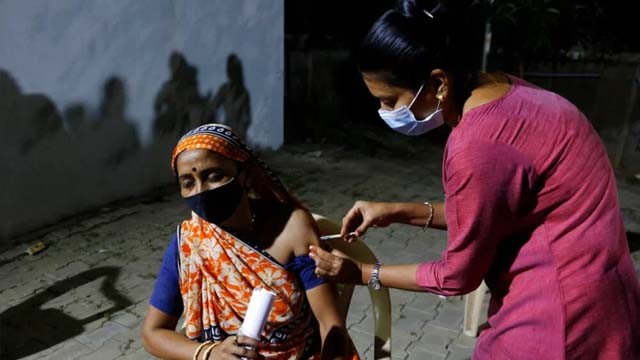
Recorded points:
(36, 317)
(108, 138)
(51, 171)
(179, 106)
(234, 99)
(56, 165)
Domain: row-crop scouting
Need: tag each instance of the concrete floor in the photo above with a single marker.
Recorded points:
(86, 294)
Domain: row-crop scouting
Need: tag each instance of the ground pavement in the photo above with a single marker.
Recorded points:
(86, 294)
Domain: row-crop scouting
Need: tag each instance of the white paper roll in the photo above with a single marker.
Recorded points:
(257, 313)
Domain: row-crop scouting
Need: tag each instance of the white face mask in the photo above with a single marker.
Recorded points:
(403, 121)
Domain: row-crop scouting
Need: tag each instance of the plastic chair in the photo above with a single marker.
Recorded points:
(380, 299)
(472, 307)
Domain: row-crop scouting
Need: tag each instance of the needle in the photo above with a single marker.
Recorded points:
(336, 236)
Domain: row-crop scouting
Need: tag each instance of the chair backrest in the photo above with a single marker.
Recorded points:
(380, 299)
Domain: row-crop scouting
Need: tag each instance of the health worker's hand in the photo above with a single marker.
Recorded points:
(336, 268)
(363, 215)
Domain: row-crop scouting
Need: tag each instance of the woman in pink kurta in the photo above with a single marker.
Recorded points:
(530, 204)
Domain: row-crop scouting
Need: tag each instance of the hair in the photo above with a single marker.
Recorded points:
(406, 43)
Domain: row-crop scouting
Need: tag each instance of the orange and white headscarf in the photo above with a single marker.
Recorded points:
(218, 271)
(222, 140)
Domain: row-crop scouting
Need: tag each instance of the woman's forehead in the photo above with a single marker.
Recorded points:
(379, 87)
(202, 157)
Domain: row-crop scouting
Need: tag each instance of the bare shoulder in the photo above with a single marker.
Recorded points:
(300, 232)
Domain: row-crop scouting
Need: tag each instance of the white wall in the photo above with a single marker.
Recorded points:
(66, 50)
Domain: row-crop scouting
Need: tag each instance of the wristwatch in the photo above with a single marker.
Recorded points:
(374, 280)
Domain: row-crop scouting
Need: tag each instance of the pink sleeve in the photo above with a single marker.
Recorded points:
(488, 189)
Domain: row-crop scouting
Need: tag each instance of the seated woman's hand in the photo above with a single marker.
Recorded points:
(336, 267)
(235, 347)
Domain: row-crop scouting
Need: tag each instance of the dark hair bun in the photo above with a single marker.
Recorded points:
(435, 10)
(418, 9)
(405, 44)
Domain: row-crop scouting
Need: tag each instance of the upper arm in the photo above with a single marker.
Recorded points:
(489, 189)
(158, 319)
(166, 294)
(301, 232)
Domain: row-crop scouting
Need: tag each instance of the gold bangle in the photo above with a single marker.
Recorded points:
(195, 354)
(205, 355)
(430, 218)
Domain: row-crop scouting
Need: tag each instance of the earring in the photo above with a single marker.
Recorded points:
(439, 97)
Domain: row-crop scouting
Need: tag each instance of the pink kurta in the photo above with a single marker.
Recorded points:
(532, 208)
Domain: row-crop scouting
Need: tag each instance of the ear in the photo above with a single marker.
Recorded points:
(442, 84)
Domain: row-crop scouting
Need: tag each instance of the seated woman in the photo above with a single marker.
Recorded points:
(246, 232)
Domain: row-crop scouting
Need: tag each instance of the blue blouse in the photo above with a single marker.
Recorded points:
(166, 295)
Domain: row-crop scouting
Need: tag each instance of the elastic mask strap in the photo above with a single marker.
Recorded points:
(416, 97)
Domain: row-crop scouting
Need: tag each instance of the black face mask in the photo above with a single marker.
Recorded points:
(217, 205)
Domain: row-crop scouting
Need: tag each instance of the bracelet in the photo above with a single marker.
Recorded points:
(205, 355)
(430, 218)
(195, 354)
